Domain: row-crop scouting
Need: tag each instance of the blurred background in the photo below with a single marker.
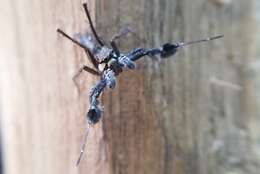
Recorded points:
(194, 113)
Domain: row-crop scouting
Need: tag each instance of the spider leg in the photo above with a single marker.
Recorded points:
(85, 68)
(83, 146)
(90, 70)
(85, 6)
(122, 32)
(92, 59)
(114, 47)
(94, 112)
(108, 79)
(86, 40)
(71, 39)
(137, 54)
(166, 50)
(163, 52)
(88, 52)
(182, 44)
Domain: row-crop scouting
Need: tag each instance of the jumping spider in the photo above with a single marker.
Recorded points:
(108, 62)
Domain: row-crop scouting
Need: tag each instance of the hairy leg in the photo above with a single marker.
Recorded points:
(85, 6)
(90, 55)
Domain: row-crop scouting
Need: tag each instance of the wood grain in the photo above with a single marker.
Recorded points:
(188, 114)
(42, 115)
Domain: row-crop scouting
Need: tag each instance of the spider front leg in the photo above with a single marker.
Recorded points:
(165, 51)
(122, 32)
(108, 79)
(94, 112)
(85, 6)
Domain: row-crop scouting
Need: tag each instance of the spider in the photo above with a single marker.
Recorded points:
(109, 62)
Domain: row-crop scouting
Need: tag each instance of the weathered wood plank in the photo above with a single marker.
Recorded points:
(186, 115)
(42, 115)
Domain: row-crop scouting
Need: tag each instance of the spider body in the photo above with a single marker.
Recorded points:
(108, 62)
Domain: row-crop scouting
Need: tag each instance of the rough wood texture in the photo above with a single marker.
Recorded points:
(42, 116)
(192, 114)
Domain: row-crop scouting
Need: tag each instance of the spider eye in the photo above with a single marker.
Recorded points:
(93, 115)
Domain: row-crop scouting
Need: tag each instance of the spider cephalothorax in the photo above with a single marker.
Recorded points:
(108, 62)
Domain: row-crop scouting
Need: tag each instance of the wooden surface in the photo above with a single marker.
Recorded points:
(42, 116)
(189, 114)
(194, 113)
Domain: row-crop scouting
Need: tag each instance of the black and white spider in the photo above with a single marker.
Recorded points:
(108, 62)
